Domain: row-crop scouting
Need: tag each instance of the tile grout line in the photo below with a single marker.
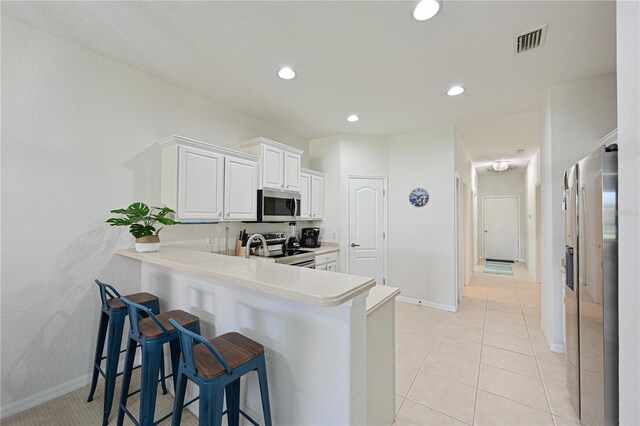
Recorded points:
(484, 324)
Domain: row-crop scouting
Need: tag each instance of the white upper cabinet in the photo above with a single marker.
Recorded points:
(317, 197)
(200, 184)
(204, 182)
(291, 171)
(305, 196)
(240, 189)
(279, 164)
(272, 167)
(311, 195)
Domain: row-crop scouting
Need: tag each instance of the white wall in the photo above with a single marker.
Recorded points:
(78, 135)
(628, 32)
(532, 179)
(325, 157)
(468, 176)
(421, 239)
(508, 184)
(576, 115)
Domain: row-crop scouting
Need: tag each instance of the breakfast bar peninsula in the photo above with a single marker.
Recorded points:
(312, 323)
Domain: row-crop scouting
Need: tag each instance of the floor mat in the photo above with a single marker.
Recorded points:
(498, 268)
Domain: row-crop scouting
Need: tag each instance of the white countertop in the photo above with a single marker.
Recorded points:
(379, 295)
(314, 287)
(324, 248)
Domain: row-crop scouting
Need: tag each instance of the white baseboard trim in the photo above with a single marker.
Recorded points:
(44, 396)
(442, 306)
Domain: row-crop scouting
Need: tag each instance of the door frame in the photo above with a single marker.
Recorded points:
(538, 231)
(517, 197)
(458, 238)
(385, 224)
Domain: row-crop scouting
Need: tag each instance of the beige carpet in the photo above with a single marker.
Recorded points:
(73, 408)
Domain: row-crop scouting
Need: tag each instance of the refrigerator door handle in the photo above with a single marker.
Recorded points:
(569, 267)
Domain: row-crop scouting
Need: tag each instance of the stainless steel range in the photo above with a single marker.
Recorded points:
(284, 251)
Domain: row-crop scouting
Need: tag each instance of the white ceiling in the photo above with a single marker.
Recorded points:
(369, 58)
(500, 137)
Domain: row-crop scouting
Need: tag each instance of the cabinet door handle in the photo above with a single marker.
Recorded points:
(355, 245)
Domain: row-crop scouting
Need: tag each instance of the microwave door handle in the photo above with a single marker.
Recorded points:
(295, 206)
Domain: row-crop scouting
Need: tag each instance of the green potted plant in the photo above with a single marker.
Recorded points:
(141, 220)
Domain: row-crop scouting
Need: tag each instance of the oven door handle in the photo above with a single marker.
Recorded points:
(307, 264)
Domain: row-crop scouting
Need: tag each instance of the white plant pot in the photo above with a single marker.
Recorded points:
(147, 244)
(147, 247)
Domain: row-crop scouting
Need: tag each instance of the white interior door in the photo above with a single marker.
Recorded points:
(366, 227)
(501, 227)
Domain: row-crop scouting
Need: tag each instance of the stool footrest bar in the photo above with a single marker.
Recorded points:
(246, 416)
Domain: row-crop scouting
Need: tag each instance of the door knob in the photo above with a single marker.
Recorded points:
(485, 231)
(355, 245)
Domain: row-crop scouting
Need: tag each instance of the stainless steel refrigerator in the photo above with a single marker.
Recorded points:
(591, 287)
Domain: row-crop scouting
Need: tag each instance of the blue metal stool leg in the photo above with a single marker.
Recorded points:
(217, 398)
(102, 332)
(116, 326)
(264, 390)
(151, 358)
(126, 378)
(155, 308)
(174, 348)
(204, 410)
(233, 402)
(181, 387)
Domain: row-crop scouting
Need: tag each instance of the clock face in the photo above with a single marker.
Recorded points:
(419, 197)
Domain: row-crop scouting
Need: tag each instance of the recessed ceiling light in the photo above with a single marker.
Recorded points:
(353, 118)
(286, 73)
(426, 9)
(455, 91)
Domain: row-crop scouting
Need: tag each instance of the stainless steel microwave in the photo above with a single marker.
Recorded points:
(278, 206)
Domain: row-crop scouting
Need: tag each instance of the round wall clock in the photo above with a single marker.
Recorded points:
(419, 197)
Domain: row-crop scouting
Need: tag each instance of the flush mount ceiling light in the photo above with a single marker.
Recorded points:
(353, 118)
(500, 166)
(286, 73)
(455, 91)
(426, 9)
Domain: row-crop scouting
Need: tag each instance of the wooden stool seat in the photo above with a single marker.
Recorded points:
(140, 298)
(235, 348)
(216, 367)
(149, 328)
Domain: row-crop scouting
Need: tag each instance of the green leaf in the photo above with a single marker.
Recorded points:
(138, 230)
(137, 210)
(165, 220)
(118, 221)
(119, 211)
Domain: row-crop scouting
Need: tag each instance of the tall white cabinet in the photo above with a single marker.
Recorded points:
(311, 194)
(279, 164)
(204, 182)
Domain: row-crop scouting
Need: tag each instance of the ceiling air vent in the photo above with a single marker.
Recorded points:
(530, 39)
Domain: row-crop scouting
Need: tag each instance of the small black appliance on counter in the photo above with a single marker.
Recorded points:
(310, 237)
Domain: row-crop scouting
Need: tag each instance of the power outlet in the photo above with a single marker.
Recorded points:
(210, 241)
(335, 235)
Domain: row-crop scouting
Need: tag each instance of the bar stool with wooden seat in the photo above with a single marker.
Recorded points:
(216, 366)
(112, 319)
(151, 332)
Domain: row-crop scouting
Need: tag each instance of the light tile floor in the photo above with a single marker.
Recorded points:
(487, 364)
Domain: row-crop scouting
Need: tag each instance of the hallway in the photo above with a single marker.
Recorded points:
(487, 364)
